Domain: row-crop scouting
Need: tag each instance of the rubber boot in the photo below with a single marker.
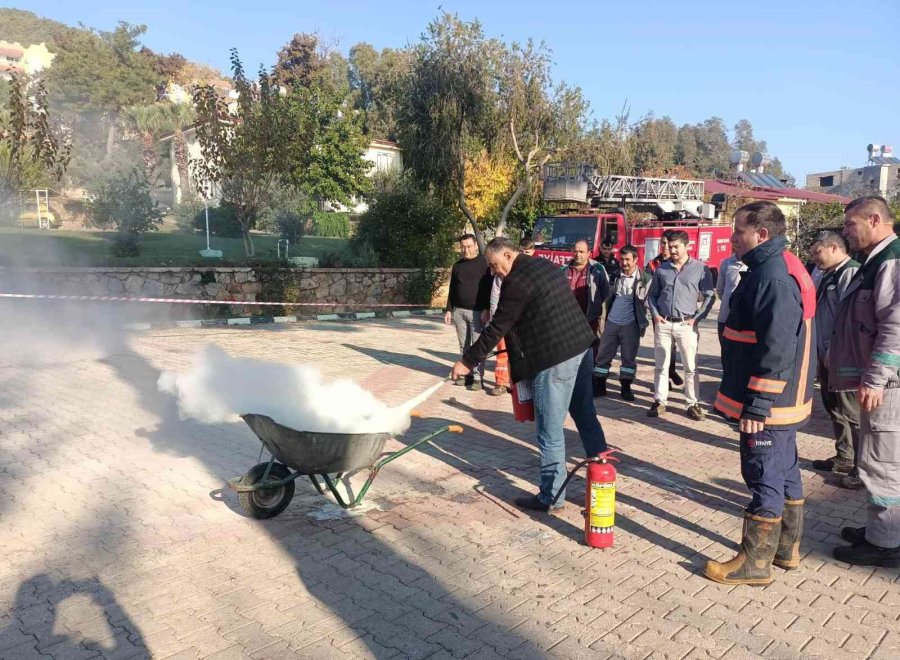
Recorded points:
(753, 563)
(627, 394)
(788, 554)
(599, 387)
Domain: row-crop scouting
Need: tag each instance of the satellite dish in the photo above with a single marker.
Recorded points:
(738, 156)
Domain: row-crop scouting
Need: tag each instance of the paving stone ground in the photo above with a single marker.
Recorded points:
(118, 540)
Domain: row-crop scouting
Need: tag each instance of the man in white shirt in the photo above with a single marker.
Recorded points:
(626, 322)
(729, 278)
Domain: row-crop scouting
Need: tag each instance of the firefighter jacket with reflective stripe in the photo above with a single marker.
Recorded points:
(865, 346)
(770, 340)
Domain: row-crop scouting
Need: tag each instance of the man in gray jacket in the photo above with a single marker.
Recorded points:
(865, 354)
(829, 252)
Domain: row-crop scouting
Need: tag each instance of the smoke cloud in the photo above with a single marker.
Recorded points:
(220, 388)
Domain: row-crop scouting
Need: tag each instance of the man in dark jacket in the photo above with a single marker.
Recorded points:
(767, 385)
(625, 325)
(470, 295)
(549, 342)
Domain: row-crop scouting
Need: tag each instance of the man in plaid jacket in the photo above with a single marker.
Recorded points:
(548, 343)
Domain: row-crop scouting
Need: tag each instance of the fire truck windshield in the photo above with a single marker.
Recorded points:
(560, 233)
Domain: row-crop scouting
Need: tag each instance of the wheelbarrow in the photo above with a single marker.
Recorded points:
(267, 488)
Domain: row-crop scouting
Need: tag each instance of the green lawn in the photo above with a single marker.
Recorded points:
(33, 247)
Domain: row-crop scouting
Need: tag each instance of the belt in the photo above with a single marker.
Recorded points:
(677, 319)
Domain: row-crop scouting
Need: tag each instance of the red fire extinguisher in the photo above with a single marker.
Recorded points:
(523, 405)
(599, 498)
(600, 501)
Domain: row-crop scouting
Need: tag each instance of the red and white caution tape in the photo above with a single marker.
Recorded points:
(190, 301)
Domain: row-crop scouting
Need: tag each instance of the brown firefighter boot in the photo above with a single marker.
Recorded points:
(788, 554)
(753, 563)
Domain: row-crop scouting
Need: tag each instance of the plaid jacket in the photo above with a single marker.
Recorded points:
(539, 317)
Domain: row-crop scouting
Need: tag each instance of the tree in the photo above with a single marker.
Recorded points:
(302, 61)
(543, 119)
(167, 68)
(102, 72)
(273, 136)
(377, 82)
(655, 144)
(813, 219)
(123, 201)
(148, 121)
(744, 140)
(31, 152)
(451, 106)
(179, 117)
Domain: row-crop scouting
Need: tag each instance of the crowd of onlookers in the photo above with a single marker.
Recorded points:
(781, 326)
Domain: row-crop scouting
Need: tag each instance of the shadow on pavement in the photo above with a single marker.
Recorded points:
(41, 619)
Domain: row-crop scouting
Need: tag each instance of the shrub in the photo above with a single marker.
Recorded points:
(223, 221)
(122, 201)
(290, 225)
(329, 224)
(357, 254)
(186, 214)
(409, 228)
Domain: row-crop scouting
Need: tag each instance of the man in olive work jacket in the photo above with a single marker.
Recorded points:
(549, 343)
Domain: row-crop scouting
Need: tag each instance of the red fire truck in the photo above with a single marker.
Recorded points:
(592, 207)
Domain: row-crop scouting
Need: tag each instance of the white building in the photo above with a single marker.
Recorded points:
(880, 174)
(16, 58)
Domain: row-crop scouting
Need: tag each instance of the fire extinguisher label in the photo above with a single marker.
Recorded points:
(603, 506)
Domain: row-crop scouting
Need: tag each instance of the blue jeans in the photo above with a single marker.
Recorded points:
(561, 388)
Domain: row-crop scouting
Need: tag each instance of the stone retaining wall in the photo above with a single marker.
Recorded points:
(346, 289)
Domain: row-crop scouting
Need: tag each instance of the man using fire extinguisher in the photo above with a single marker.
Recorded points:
(548, 342)
(767, 385)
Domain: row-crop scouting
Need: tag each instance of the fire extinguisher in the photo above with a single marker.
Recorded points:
(523, 404)
(599, 498)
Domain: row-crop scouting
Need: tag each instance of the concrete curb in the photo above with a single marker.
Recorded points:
(265, 320)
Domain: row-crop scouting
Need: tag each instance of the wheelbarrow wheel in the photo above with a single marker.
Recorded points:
(266, 502)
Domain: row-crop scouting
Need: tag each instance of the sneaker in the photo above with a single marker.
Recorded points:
(475, 386)
(824, 465)
(866, 554)
(696, 413)
(854, 534)
(851, 482)
(532, 503)
(656, 409)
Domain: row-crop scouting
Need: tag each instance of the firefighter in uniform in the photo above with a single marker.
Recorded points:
(767, 385)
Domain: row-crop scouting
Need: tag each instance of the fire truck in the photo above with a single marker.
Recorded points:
(592, 207)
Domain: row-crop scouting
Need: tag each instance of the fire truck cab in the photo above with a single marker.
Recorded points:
(592, 208)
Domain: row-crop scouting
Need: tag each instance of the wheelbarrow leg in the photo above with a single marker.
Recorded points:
(337, 495)
(316, 484)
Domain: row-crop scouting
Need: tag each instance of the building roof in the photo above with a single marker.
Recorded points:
(11, 51)
(384, 144)
(885, 160)
(732, 189)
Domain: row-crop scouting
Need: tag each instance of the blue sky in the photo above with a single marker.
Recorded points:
(819, 80)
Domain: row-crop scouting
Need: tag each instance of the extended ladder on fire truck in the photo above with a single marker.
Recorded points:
(581, 184)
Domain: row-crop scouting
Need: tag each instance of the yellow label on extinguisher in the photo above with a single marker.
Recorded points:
(603, 505)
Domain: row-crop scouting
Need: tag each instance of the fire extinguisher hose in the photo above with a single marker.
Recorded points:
(571, 474)
(602, 456)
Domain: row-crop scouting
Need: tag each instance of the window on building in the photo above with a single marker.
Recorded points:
(382, 162)
(826, 181)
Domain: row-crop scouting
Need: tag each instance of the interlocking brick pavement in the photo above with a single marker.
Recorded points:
(118, 539)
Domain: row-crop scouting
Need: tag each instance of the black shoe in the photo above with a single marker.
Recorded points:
(842, 467)
(866, 554)
(851, 482)
(532, 503)
(656, 409)
(824, 465)
(854, 534)
(599, 387)
(696, 413)
(627, 394)
(675, 379)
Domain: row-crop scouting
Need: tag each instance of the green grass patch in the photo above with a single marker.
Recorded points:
(36, 248)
